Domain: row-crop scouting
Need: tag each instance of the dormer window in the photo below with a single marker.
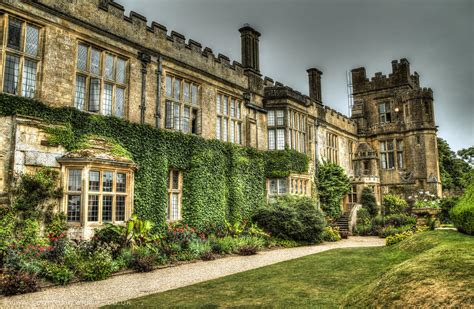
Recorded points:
(384, 112)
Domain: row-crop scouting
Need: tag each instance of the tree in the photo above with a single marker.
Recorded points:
(333, 184)
(467, 155)
(368, 201)
(456, 173)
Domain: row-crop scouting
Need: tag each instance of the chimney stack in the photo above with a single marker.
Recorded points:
(250, 52)
(314, 76)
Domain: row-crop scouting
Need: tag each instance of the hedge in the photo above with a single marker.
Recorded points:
(462, 215)
(222, 181)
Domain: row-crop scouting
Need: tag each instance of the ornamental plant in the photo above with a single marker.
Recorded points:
(462, 214)
(425, 199)
(333, 184)
(393, 204)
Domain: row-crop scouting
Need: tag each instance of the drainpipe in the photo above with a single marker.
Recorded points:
(145, 59)
(159, 72)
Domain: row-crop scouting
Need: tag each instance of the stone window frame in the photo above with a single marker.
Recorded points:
(21, 54)
(332, 147)
(85, 192)
(297, 128)
(394, 153)
(278, 184)
(276, 130)
(172, 214)
(179, 103)
(385, 113)
(229, 112)
(103, 79)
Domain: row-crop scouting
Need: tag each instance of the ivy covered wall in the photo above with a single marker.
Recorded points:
(221, 181)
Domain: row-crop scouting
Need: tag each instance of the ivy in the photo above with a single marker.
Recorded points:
(221, 181)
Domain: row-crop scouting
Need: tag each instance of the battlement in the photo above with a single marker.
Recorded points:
(400, 76)
(422, 93)
(280, 91)
(110, 16)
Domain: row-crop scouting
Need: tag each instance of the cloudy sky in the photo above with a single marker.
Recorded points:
(437, 37)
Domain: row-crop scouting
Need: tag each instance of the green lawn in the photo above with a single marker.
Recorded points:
(431, 268)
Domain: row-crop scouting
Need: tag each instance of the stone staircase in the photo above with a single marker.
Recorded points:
(343, 223)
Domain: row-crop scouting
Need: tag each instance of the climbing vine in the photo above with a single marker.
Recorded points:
(221, 181)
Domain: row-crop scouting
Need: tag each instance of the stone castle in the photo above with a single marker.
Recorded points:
(89, 55)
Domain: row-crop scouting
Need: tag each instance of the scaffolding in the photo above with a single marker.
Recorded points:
(350, 97)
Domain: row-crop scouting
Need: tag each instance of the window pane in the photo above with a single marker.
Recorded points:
(107, 106)
(225, 123)
(280, 116)
(281, 139)
(271, 118)
(195, 95)
(29, 79)
(174, 206)
(94, 180)
(232, 131)
(74, 180)
(226, 106)
(391, 160)
(119, 102)
(95, 61)
(169, 86)
(218, 104)
(109, 66)
(185, 123)
(400, 159)
(107, 208)
(273, 186)
(281, 186)
(93, 208)
(186, 92)
(176, 116)
(14, 34)
(382, 146)
(120, 208)
(232, 108)
(238, 109)
(12, 67)
(175, 183)
(399, 145)
(80, 92)
(73, 208)
(82, 57)
(31, 40)
(94, 95)
(382, 108)
(239, 134)
(168, 115)
(121, 182)
(271, 139)
(383, 160)
(177, 89)
(218, 128)
(121, 71)
(390, 145)
(107, 181)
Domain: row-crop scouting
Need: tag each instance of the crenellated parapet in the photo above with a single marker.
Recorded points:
(422, 93)
(279, 91)
(109, 16)
(400, 76)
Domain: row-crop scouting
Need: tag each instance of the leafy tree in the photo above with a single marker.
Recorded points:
(456, 173)
(333, 184)
(368, 201)
(467, 155)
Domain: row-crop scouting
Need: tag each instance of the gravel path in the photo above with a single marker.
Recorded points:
(124, 287)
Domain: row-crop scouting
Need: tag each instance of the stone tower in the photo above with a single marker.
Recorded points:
(395, 117)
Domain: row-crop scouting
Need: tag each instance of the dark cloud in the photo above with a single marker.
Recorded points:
(338, 35)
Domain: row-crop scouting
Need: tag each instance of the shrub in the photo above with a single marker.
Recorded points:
(399, 220)
(394, 239)
(57, 248)
(248, 241)
(446, 205)
(143, 259)
(293, 218)
(363, 216)
(333, 184)
(111, 233)
(462, 214)
(331, 234)
(278, 242)
(394, 205)
(96, 265)
(18, 283)
(197, 248)
(59, 274)
(225, 245)
(181, 234)
(57, 225)
(124, 258)
(208, 256)
(368, 201)
(247, 250)
(364, 230)
(391, 230)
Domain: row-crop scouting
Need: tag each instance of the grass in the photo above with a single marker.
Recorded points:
(430, 269)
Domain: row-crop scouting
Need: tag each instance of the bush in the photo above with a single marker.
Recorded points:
(225, 245)
(247, 250)
(331, 234)
(462, 214)
(197, 248)
(399, 220)
(293, 218)
(284, 243)
(96, 265)
(363, 216)
(111, 233)
(363, 230)
(394, 205)
(59, 274)
(447, 204)
(143, 259)
(394, 239)
(18, 283)
(181, 234)
(368, 201)
(333, 184)
(391, 230)
(208, 256)
(124, 258)
(247, 241)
